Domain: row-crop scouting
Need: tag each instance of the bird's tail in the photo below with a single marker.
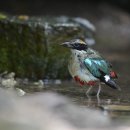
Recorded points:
(110, 82)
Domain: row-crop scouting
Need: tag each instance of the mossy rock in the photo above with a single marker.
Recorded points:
(29, 46)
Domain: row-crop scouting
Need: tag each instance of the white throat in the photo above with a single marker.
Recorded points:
(81, 52)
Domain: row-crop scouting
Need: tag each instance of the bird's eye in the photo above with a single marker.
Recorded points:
(76, 45)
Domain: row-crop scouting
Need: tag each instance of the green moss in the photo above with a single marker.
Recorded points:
(31, 47)
(2, 16)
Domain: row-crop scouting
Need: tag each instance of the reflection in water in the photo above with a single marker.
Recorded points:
(117, 110)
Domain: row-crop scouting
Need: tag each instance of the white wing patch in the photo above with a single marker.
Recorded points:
(107, 77)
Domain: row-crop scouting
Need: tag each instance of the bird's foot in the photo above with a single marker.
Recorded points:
(88, 96)
(89, 89)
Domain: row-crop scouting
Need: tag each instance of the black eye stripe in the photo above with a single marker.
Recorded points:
(76, 44)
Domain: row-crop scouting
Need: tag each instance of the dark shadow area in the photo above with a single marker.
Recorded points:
(38, 7)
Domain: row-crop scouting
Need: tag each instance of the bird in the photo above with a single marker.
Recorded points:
(88, 67)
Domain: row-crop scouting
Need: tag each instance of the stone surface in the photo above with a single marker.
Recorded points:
(29, 46)
(47, 111)
(122, 108)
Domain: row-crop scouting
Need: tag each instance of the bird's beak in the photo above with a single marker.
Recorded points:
(66, 44)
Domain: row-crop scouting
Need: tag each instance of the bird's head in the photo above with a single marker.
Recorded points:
(75, 44)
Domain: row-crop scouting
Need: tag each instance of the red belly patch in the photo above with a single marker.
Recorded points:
(82, 83)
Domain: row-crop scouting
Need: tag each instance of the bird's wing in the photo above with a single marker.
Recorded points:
(100, 68)
(97, 66)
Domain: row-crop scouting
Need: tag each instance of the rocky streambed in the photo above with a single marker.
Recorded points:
(30, 52)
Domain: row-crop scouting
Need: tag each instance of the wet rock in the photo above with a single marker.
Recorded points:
(52, 81)
(29, 85)
(50, 111)
(20, 92)
(39, 84)
(115, 108)
(29, 46)
(47, 111)
(57, 82)
(8, 82)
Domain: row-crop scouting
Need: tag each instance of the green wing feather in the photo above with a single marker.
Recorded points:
(96, 65)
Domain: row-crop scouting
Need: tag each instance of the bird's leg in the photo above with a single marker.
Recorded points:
(87, 93)
(89, 98)
(99, 90)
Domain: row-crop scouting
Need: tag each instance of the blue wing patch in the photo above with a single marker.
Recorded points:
(94, 65)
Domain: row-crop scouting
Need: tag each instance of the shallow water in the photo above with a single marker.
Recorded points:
(112, 103)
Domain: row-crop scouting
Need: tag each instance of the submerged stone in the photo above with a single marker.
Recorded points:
(115, 107)
(29, 46)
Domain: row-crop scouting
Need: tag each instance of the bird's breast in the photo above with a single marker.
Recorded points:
(77, 69)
